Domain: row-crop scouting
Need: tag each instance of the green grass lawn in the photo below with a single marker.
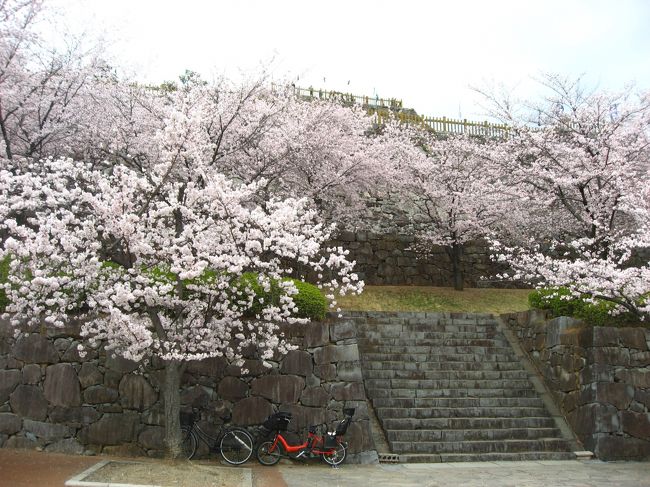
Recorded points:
(421, 298)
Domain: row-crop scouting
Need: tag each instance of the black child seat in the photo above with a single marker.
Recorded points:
(277, 422)
(341, 429)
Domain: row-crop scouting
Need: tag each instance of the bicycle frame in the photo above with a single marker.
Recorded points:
(314, 449)
(210, 441)
(320, 442)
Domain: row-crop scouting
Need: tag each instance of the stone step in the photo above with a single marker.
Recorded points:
(449, 387)
(450, 341)
(439, 350)
(424, 320)
(468, 423)
(390, 333)
(412, 393)
(472, 434)
(485, 457)
(459, 412)
(502, 446)
(444, 374)
(420, 384)
(435, 357)
(393, 330)
(460, 402)
(369, 364)
(414, 316)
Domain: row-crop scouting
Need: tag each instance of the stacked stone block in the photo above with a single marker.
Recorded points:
(599, 376)
(388, 259)
(51, 398)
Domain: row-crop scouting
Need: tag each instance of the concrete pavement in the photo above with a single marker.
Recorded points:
(28, 468)
(483, 474)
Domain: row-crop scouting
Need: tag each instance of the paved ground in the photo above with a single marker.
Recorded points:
(497, 474)
(36, 469)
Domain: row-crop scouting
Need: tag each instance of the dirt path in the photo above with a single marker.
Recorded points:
(28, 468)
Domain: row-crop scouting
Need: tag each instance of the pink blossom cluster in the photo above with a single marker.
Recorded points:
(154, 263)
(585, 175)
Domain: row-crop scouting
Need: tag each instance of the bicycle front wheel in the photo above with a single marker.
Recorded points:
(188, 443)
(236, 446)
(337, 455)
(266, 456)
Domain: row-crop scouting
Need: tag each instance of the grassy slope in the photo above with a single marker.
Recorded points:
(416, 298)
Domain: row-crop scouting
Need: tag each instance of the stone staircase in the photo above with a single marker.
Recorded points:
(449, 387)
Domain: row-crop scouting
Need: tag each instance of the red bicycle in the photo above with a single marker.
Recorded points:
(329, 445)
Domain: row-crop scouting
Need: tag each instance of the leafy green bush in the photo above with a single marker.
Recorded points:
(559, 302)
(262, 297)
(554, 299)
(310, 301)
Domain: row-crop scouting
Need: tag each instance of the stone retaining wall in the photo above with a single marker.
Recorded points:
(385, 259)
(50, 398)
(599, 376)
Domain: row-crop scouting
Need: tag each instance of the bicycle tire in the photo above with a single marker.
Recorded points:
(188, 443)
(339, 455)
(268, 458)
(236, 446)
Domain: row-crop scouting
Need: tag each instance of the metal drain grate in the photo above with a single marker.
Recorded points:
(388, 458)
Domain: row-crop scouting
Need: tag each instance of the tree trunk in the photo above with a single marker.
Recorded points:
(455, 253)
(172, 402)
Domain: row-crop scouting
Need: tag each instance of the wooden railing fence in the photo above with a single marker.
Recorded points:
(386, 108)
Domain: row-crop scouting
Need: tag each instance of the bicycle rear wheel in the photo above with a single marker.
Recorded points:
(266, 457)
(337, 455)
(236, 446)
(188, 443)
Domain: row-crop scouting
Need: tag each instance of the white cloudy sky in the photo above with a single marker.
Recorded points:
(428, 53)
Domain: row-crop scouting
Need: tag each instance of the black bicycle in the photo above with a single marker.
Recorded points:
(234, 444)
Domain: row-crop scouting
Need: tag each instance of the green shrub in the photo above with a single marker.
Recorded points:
(310, 301)
(554, 299)
(596, 313)
(262, 297)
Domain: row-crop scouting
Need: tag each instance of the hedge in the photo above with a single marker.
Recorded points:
(310, 301)
(560, 302)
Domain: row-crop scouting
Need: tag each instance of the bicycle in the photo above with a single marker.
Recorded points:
(329, 445)
(234, 444)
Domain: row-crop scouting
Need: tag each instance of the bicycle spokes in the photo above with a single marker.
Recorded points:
(236, 446)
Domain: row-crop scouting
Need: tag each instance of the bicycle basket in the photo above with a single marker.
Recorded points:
(277, 422)
(330, 440)
(187, 418)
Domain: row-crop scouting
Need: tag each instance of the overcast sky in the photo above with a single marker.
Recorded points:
(428, 53)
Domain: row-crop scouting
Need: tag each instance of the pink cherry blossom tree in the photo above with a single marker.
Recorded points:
(580, 167)
(254, 133)
(44, 88)
(151, 246)
(331, 156)
(451, 191)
